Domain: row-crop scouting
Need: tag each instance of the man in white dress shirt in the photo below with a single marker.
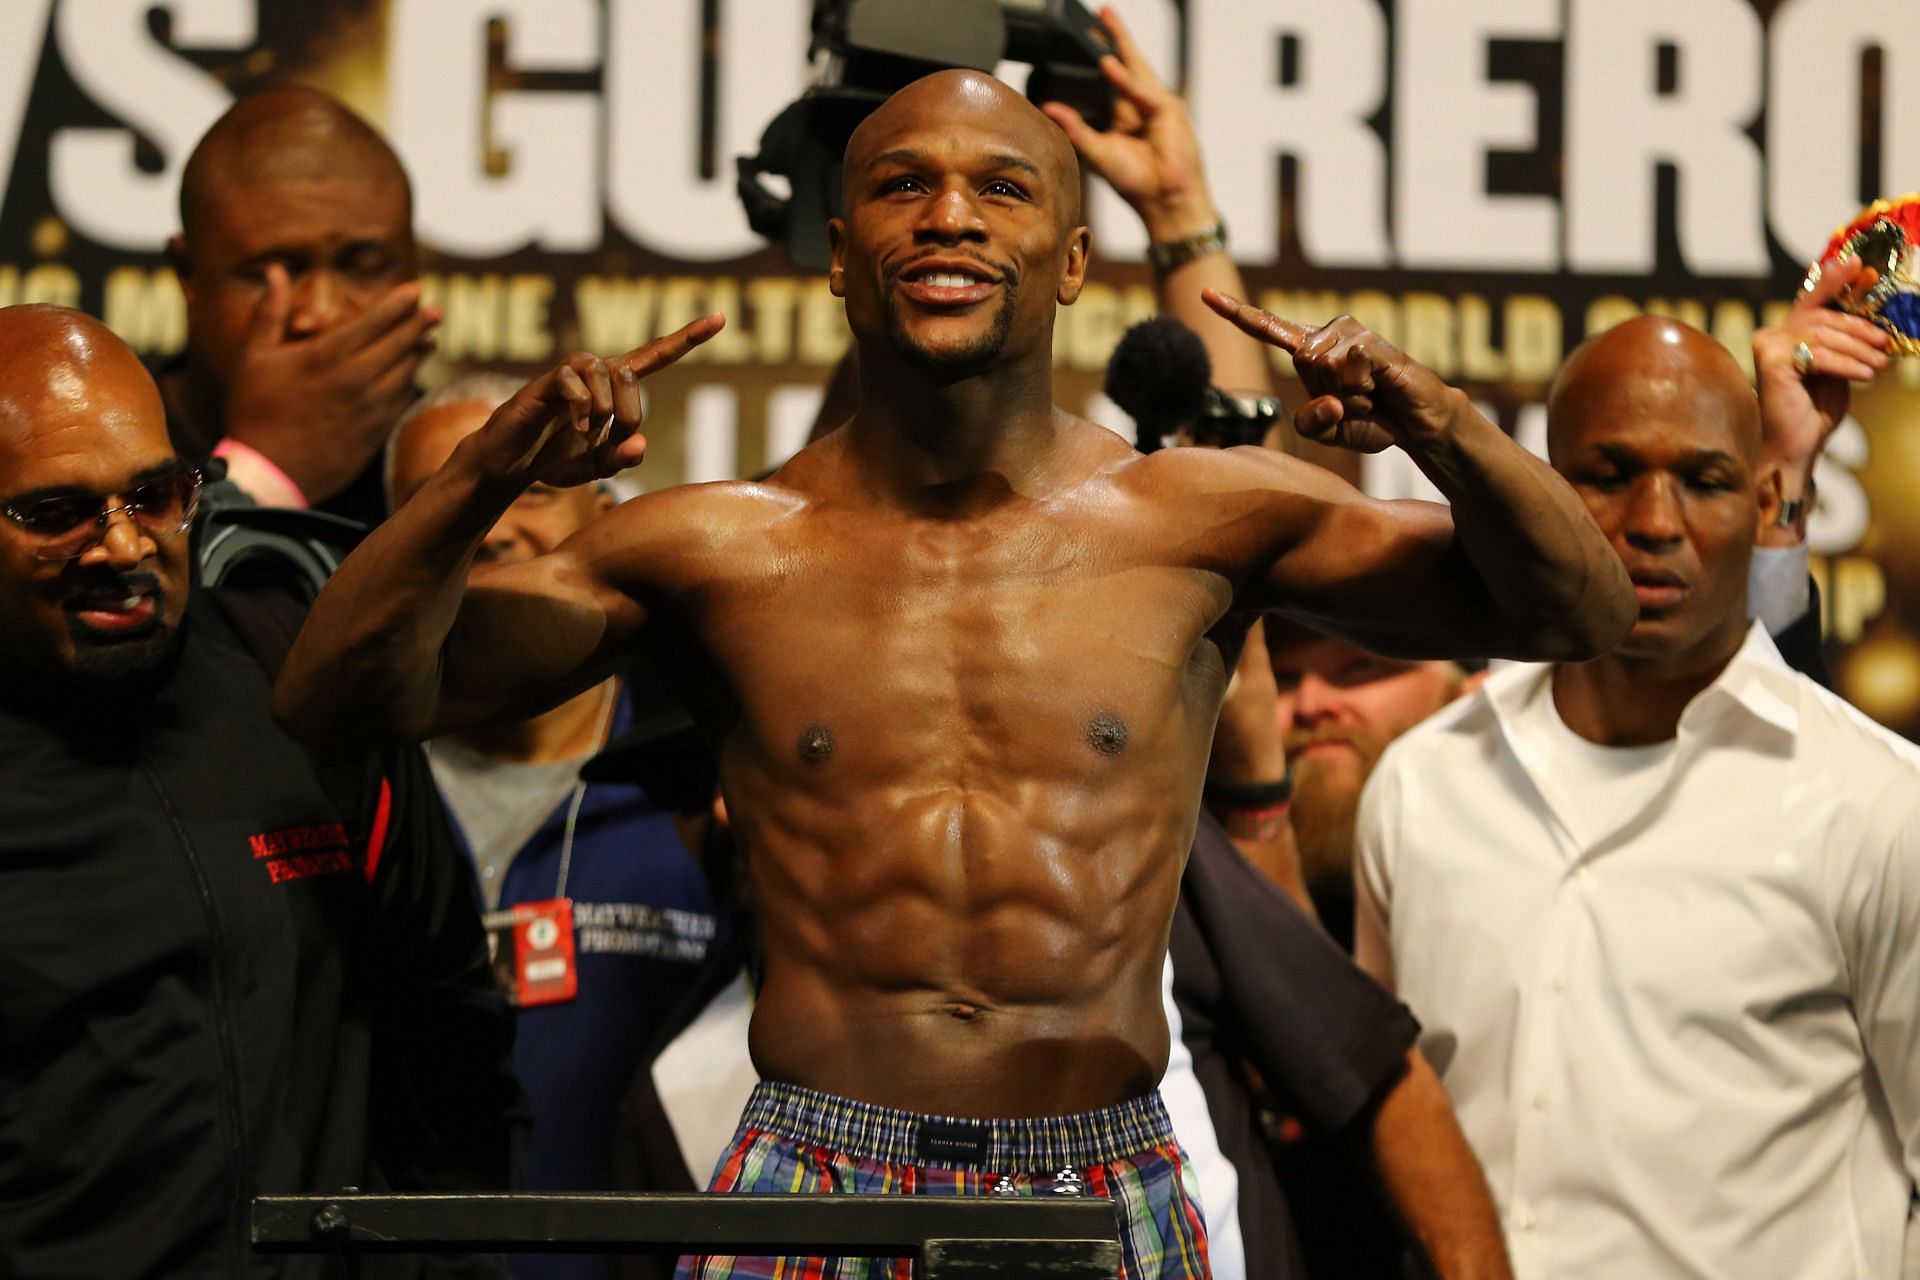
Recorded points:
(1659, 913)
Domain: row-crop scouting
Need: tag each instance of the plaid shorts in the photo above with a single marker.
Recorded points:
(797, 1141)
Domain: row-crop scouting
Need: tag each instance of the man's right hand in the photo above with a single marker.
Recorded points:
(1366, 393)
(580, 422)
(321, 408)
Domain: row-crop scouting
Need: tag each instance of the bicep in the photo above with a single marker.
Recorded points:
(533, 634)
(1389, 576)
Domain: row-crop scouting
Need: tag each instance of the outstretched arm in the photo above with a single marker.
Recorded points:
(399, 646)
(1516, 568)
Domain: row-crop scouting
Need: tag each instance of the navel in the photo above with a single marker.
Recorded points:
(816, 744)
(1107, 734)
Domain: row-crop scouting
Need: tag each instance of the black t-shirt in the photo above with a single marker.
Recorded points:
(225, 972)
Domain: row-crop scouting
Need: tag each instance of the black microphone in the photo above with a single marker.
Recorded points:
(1160, 375)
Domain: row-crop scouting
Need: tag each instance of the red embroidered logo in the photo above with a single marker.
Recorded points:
(298, 853)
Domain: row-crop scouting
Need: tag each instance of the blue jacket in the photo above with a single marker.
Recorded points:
(644, 919)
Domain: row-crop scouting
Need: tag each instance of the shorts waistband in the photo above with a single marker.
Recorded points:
(868, 1132)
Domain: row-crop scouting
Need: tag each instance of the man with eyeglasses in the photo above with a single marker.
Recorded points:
(226, 969)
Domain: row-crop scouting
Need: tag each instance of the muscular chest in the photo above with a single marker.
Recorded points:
(1004, 640)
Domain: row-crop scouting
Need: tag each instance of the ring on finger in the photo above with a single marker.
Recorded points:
(1803, 358)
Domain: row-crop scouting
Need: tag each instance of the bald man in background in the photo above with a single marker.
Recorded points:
(305, 327)
(1659, 912)
(226, 970)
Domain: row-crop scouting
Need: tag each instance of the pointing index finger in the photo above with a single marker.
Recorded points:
(1266, 326)
(661, 352)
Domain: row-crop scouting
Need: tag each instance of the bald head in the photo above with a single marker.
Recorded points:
(287, 181)
(288, 134)
(971, 97)
(1654, 425)
(1652, 364)
(85, 595)
(55, 356)
(961, 231)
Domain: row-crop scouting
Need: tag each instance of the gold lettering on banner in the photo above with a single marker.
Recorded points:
(491, 317)
(1605, 312)
(1381, 313)
(1480, 360)
(1733, 329)
(1853, 592)
(615, 314)
(772, 300)
(1454, 336)
(771, 320)
(1086, 333)
(680, 299)
(49, 282)
(1534, 334)
(529, 301)
(1428, 333)
(733, 344)
(824, 336)
(1686, 310)
(146, 308)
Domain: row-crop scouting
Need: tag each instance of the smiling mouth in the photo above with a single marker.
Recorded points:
(947, 284)
(127, 609)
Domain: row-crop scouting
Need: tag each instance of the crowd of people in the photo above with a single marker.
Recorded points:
(976, 805)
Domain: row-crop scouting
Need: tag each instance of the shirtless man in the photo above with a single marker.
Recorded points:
(961, 661)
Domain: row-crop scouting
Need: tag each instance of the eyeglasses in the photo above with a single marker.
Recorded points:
(68, 523)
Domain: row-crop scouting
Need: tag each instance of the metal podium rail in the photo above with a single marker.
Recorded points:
(1063, 1238)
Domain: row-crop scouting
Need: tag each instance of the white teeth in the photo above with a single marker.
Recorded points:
(948, 280)
(131, 603)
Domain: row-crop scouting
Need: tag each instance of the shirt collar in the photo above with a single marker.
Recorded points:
(1759, 682)
(1756, 682)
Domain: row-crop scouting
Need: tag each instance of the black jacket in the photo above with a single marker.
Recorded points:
(225, 971)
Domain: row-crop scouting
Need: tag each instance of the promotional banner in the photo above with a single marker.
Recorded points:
(1484, 181)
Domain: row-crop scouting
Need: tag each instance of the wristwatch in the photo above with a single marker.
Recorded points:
(1794, 510)
(1165, 255)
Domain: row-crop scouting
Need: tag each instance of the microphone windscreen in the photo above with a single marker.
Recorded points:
(1160, 374)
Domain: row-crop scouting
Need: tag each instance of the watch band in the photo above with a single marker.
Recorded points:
(1165, 255)
(1250, 795)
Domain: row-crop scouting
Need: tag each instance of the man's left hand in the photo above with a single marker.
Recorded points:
(1804, 398)
(1366, 393)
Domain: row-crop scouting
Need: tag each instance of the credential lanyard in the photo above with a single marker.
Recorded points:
(580, 791)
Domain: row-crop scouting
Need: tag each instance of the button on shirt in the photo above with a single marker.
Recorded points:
(1683, 1036)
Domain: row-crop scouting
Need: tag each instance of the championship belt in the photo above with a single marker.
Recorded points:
(1886, 237)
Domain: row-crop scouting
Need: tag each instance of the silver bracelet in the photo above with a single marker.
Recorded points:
(1165, 255)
